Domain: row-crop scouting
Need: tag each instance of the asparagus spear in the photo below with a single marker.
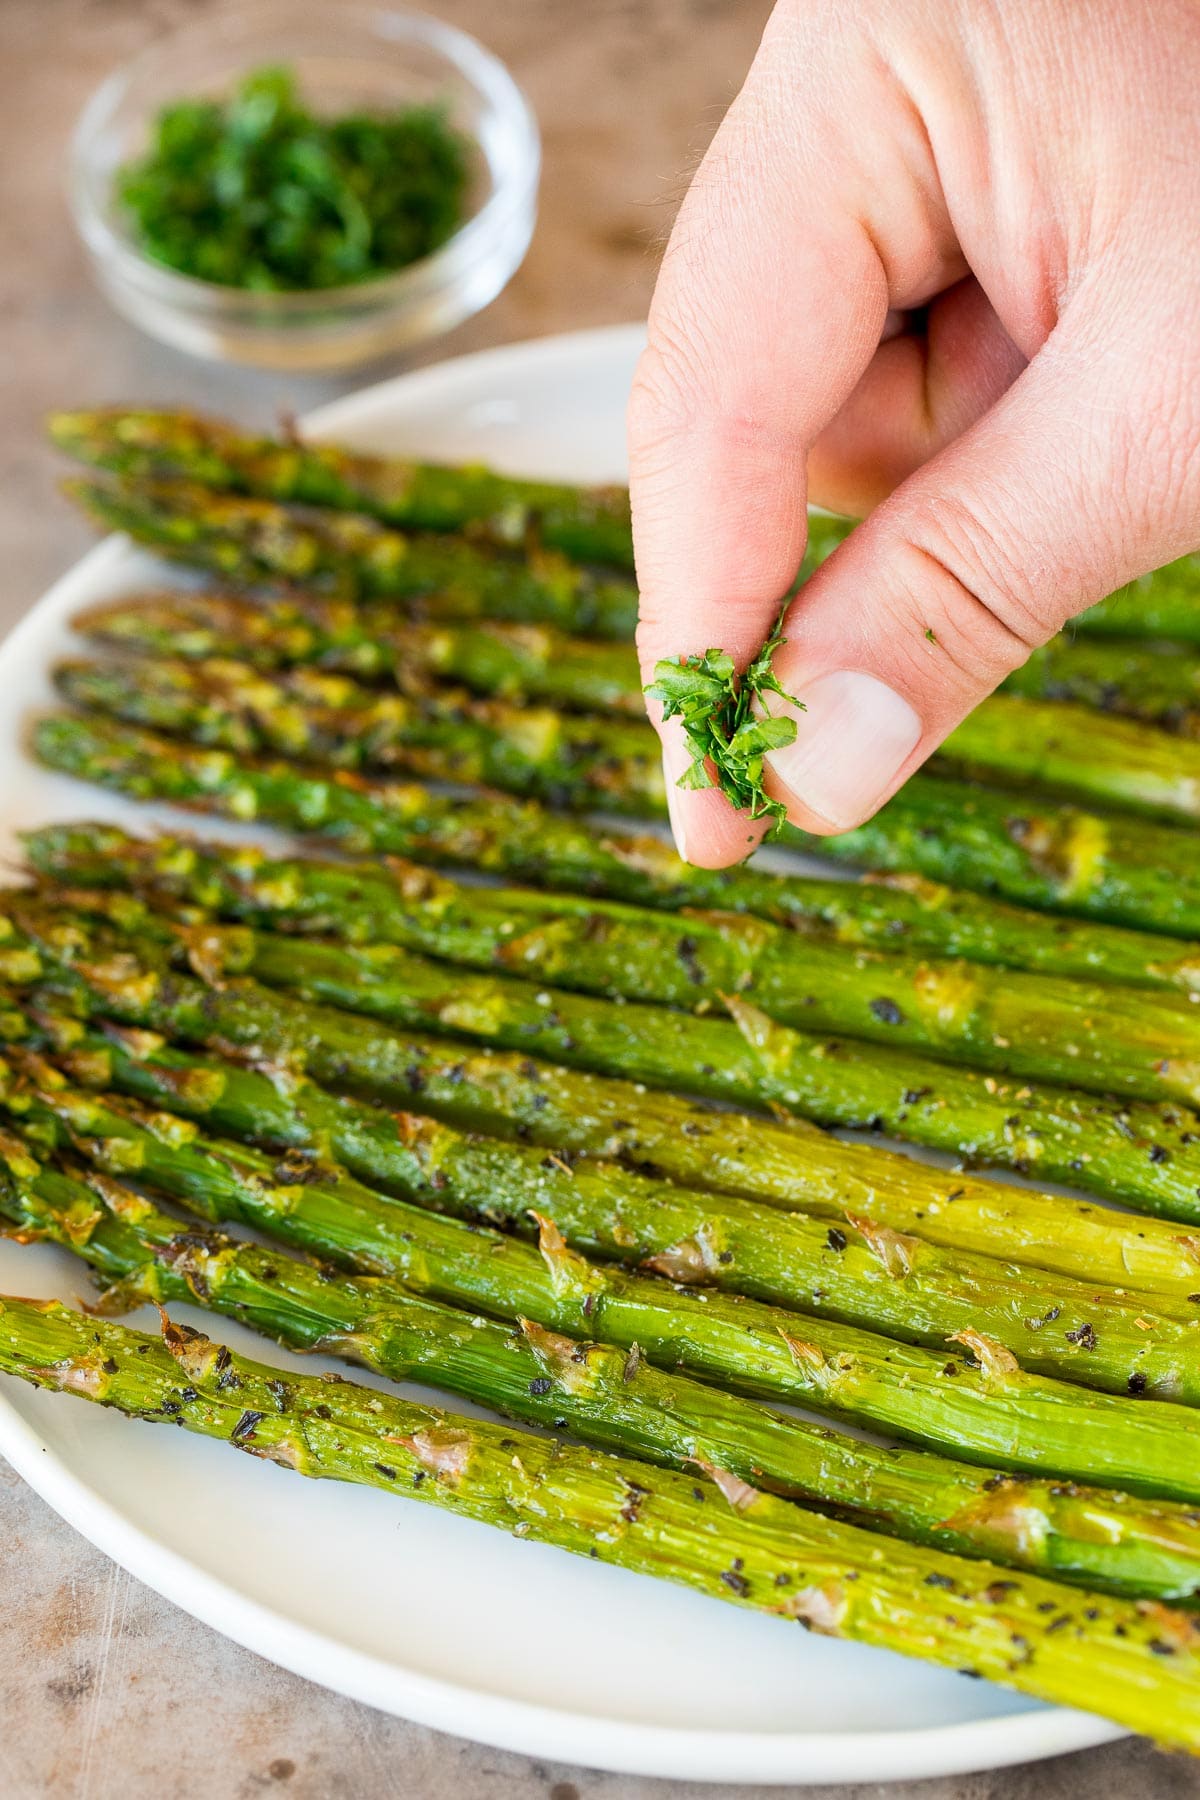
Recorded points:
(512, 661)
(603, 1394)
(1146, 1155)
(1024, 735)
(574, 761)
(524, 840)
(1125, 870)
(863, 1275)
(589, 523)
(1153, 681)
(580, 1114)
(1159, 605)
(1138, 1661)
(1104, 1039)
(1115, 762)
(979, 1405)
(586, 761)
(148, 446)
(1157, 683)
(342, 554)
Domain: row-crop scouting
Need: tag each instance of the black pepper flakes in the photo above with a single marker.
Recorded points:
(246, 1426)
(886, 1011)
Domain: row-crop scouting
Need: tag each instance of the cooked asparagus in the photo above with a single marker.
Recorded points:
(1138, 1662)
(1125, 870)
(534, 662)
(590, 760)
(1062, 858)
(1158, 682)
(975, 1402)
(1023, 735)
(576, 1114)
(1144, 1154)
(1121, 763)
(1159, 605)
(524, 840)
(863, 1275)
(591, 523)
(577, 761)
(342, 554)
(602, 1394)
(1104, 1039)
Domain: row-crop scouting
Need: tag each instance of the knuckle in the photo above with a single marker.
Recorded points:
(964, 575)
(674, 386)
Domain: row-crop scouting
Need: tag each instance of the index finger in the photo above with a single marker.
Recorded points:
(771, 301)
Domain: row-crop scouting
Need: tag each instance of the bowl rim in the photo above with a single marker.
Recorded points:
(472, 242)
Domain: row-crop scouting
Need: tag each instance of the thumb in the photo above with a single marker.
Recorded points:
(1081, 477)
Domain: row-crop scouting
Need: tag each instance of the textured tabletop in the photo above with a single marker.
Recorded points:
(106, 1691)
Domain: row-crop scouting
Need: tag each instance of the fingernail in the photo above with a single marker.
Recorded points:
(852, 737)
(675, 761)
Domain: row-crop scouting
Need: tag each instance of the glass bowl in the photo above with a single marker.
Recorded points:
(345, 56)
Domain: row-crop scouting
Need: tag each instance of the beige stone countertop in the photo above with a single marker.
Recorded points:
(106, 1691)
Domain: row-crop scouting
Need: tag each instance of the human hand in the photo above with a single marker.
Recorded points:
(1028, 171)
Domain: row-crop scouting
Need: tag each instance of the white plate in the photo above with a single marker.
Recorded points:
(431, 1617)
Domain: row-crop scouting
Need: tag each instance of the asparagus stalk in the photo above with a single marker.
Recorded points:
(535, 662)
(591, 523)
(1052, 746)
(586, 761)
(1159, 605)
(604, 1395)
(524, 840)
(147, 446)
(979, 1404)
(1122, 763)
(1104, 1039)
(1144, 1154)
(1153, 681)
(580, 1114)
(1137, 1661)
(572, 761)
(863, 1275)
(1121, 869)
(347, 556)
(588, 523)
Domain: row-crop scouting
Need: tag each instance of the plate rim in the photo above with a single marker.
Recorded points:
(554, 1733)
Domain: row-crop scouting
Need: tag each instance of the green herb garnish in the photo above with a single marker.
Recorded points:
(715, 705)
(257, 192)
